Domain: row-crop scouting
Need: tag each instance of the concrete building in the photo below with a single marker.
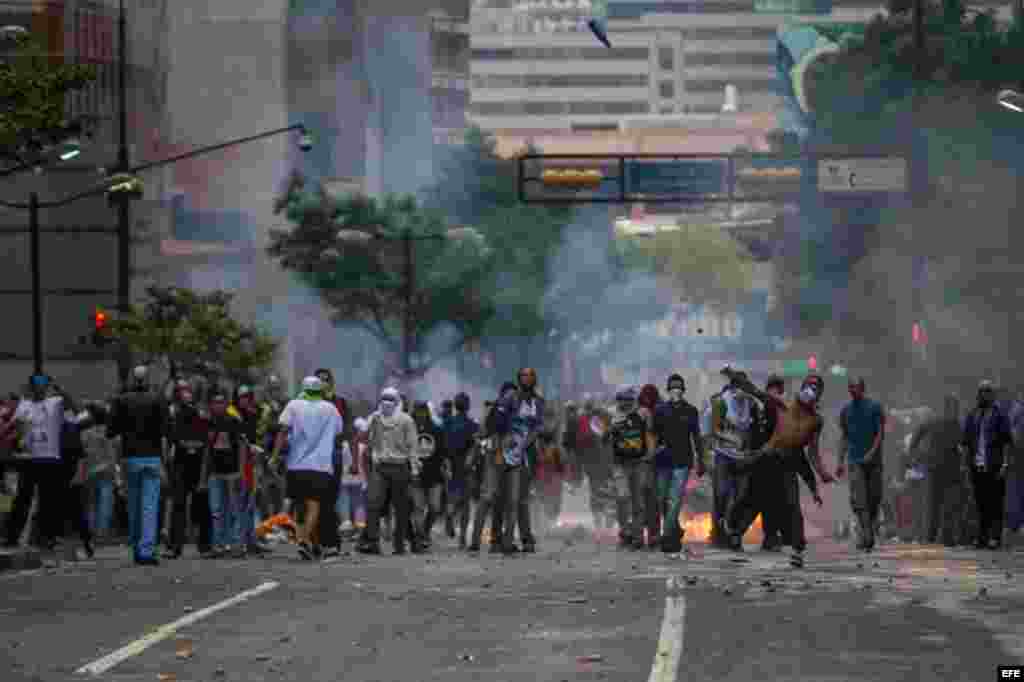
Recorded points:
(535, 64)
(78, 247)
(377, 82)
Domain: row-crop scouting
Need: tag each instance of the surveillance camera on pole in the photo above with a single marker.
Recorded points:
(1012, 100)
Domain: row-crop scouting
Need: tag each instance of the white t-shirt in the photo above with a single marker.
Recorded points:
(44, 421)
(312, 428)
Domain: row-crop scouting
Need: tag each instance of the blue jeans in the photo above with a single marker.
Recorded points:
(247, 517)
(352, 503)
(142, 478)
(671, 487)
(226, 509)
(101, 511)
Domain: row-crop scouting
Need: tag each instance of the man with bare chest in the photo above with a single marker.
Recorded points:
(793, 443)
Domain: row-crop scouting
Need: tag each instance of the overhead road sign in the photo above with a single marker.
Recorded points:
(706, 178)
(852, 175)
(677, 177)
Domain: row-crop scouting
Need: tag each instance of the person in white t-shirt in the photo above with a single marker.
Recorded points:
(310, 426)
(40, 420)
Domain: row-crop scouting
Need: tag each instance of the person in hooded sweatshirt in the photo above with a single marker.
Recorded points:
(392, 443)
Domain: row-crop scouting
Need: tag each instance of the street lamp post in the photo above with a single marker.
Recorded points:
(124, 215)
(407, 238)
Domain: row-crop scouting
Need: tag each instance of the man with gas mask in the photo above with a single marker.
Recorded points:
(428, 480)
(985, 450)
(796, 439)
(188, 432)
(734, 415)
(677, 429)
(392, 443)
(633, 445)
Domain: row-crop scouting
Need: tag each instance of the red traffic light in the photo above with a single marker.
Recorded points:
(99, 320)
(917, 333)
(812, 363)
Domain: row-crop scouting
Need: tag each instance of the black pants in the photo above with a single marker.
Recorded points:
(184, 490)
(945, 507)
(990, 499)
(327, 526)
(73, 507)
(50, 478)
(388, 483)
(526, 475)
(753, 495)
(866, 494)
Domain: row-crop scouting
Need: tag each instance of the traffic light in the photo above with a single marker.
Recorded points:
(918, 335)
(570, 178)
(812, 363)
(100, 331)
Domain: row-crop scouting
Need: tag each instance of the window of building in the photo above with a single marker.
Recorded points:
(744, 85)
(561, 53)
(667, 89)
(558, 108)
(731, 59)
(666, 58)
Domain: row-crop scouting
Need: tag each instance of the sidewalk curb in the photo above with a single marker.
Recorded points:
(22, 560)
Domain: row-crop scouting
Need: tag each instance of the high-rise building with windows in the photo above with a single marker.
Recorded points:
(535, 64)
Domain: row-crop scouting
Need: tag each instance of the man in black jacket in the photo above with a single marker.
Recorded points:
(677, 428)
(188, 432)
(139, 416)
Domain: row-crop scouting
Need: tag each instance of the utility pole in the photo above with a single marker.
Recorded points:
(124, 215)
(918, 181)
(37, 292)
(410, 288)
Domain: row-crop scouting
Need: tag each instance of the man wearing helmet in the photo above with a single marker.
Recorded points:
(797, 434)
(633, 445)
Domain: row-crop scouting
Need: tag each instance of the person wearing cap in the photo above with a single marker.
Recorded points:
(392, 442)
(862, 424)
(676, 426)
(140, 417)
(310, 426)
(986, 459)
(795, 439)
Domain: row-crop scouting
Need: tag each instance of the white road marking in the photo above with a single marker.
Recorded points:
(670, 644)
(163, 632)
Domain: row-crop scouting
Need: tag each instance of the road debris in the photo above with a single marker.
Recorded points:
(466, 658)
(183, 649)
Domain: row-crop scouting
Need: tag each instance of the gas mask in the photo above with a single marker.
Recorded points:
(675, 394)
(388, 407)
(808, 394)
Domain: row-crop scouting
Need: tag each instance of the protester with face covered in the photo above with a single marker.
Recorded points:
(986, 459)
(428, 480)
(392, 442)
(633, 445)
(648, 401)
(676, 425)
(734, 415)
(596, 461)
(794, 444)
(524, 411)
(499, 489)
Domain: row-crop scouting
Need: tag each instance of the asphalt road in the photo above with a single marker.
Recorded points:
(578, 610)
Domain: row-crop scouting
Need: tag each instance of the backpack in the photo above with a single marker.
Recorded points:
(628, 437)
(584, 436)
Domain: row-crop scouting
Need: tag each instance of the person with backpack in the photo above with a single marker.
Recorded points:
(633, 446)
(459, 438)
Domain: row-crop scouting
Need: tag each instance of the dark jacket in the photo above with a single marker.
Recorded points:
(140, 418)
(997, 436)
(674, 425)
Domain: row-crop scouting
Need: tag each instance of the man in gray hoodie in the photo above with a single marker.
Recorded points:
(392, 441)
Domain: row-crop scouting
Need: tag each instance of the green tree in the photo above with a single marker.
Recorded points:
(477, 187)
(33, 89)
(188, 331)
(350, 251)
(701, 262)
